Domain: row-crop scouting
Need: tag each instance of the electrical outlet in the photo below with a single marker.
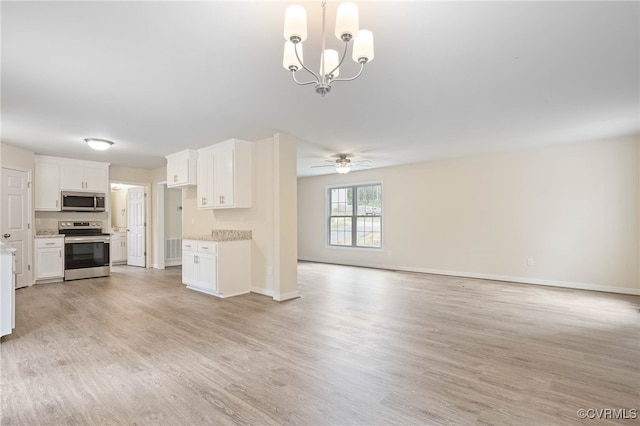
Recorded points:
(530, 261)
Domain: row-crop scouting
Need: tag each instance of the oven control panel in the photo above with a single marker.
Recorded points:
(80, 225)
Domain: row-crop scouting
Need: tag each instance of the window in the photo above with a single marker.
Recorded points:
(355, 216)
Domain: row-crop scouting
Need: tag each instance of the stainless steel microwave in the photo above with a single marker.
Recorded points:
(83, 201)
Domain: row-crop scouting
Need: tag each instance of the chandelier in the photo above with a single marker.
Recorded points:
(347, 29)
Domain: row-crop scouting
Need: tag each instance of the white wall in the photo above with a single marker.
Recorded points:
(119, 208)
(574, 209)
(263, 218)
(13, 156)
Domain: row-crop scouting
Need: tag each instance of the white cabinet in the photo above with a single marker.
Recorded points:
(118, 248)
(55, 174)
(7, 290)
(47, 185)
(219, 268)
(205, 190)
(84, 178)
(224, 175)
(181, 168)
(50, 258)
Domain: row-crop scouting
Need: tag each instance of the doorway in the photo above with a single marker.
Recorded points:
(169, 234)
(129, 224)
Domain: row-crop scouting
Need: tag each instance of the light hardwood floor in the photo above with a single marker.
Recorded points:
(360, 346)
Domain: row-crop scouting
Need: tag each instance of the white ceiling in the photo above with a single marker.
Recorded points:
(448, 78)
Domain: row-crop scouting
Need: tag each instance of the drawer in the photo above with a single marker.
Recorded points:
(208, 247)
(189, 245)
(49, 242)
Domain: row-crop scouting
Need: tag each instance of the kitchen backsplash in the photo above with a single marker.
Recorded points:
(47, 222)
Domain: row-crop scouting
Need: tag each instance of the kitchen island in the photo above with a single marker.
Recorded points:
(218, 264)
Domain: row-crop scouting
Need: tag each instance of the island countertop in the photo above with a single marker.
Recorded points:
(221, 235)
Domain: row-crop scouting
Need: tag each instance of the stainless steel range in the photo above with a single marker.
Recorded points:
(86, 250)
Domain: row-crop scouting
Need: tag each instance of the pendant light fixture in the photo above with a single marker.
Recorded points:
(98, 144)
(346, 30)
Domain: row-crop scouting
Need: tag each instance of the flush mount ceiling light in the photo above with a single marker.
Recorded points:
(347, 29)
(98, 144)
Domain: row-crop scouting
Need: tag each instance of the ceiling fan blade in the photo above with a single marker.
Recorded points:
(328, 165)
(366, 166)
(361, 161)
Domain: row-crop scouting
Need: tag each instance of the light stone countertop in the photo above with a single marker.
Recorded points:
(48, 233)
(221, 235)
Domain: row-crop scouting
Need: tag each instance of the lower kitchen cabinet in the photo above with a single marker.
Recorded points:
(219, 268)
(118, 248)
(49, 259)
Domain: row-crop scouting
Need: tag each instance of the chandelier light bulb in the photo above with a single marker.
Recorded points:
(295, 24)
(363, 46)
(346, 21)
(331, 59)
(290, 61)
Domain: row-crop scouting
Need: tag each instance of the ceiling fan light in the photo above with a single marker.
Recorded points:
(363, 47)
(98, 144)
(347, 21)
(295, 24)
(343, 169)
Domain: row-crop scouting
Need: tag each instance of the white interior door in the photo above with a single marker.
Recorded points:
(15, 221)
(136, 227)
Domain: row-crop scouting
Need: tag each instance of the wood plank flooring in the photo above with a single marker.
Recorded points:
(360, 347)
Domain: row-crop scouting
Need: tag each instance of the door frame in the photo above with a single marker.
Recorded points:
(160, 222)
(30, 243)
(159, 249)
(147, 215)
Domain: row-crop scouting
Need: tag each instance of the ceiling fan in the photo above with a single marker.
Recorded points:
(343, 164)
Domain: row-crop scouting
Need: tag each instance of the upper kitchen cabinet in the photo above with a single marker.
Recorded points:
(181, 169)
(224, 175)
(46, 184)
(83, 177)
(54, 174)
(205, 190)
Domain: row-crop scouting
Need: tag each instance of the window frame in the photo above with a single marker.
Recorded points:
(354, 217)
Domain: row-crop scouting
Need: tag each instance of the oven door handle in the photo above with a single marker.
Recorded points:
(100, 239)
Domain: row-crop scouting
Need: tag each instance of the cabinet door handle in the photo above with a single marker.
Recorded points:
(204, 201)
(49, 244)
(60, 254)
(57, 203)
(175, 178)
(195, 259)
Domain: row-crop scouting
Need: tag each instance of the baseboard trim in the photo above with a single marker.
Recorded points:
(286, 296)
(262, 291)
(521, 280)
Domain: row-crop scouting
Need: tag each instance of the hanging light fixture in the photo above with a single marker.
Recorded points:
(98, 144)
(347, 29)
